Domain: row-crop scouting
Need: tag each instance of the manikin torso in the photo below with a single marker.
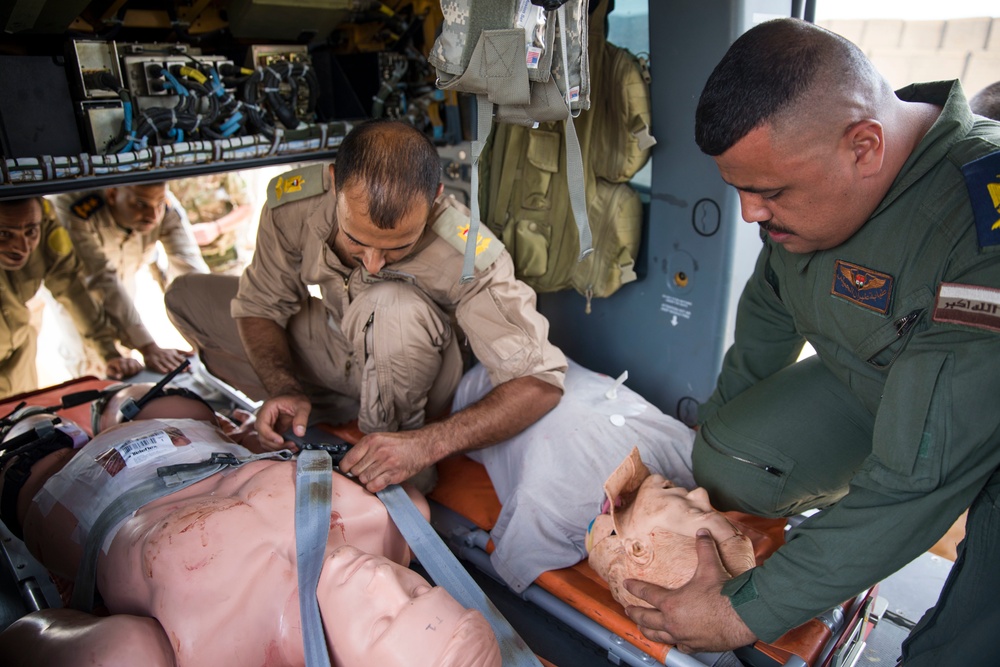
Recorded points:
(215, 563)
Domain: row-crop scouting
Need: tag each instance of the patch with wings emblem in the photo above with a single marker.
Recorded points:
(863, 287)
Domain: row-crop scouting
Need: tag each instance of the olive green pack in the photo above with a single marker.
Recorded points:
(524, 193)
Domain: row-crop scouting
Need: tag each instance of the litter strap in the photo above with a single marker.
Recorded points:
(313, 489)
(447, 572)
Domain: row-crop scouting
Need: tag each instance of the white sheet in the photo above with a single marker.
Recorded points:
(549, 478)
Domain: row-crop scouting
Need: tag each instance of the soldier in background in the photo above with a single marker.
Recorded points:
(116, 232)
(34, 250)
(218, 208)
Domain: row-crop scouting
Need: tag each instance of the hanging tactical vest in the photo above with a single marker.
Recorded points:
(525, 199)
(531, 64)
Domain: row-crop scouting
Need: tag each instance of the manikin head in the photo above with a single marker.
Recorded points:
(138, 207)
(387, 176)
(647, 532)
(396, 617)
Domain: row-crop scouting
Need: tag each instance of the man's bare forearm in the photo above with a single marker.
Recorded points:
(267, 348)
(504, 412)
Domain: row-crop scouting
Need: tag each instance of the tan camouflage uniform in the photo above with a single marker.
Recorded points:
(55, 264)
(208, 198)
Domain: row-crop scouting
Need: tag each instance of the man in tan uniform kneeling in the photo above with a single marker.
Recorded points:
(354, 296)
(34, 250)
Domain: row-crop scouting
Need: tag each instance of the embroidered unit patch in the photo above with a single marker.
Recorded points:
(863, 287)
(970, 305)
(982, 177)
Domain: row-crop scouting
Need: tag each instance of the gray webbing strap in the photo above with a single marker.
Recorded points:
(313, 489)
(484, 112)
(447, 572)
(575, 181)
(168, 479)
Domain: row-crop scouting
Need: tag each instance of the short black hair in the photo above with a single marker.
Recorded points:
(763, 73)
(395, 162)
(987, 101)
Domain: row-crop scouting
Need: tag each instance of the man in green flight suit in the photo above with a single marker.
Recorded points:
(34, 249)
(878, 212)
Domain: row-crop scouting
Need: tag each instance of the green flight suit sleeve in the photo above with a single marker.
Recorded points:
(935, 444)
(766, 339)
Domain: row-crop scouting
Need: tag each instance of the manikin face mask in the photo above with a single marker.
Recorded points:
(647, 531)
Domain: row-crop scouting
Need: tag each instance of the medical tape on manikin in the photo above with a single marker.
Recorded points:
(168, 479)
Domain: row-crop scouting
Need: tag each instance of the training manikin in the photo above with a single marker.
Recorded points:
(647, 531)
(207, 576)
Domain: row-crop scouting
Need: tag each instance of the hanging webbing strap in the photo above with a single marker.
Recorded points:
(313, 489)
(447, 572)
(484, 113)
(169, 479)
(575, 180)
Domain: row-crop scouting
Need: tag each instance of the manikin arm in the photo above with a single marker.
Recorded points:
(63, 637)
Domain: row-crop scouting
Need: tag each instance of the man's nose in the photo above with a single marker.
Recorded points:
(374, 260)
(20, 243)
(752, 208)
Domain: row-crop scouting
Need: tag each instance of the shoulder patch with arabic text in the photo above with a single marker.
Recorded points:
(968, 305)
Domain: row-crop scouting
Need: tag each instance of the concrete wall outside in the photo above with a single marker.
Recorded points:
(910, 51)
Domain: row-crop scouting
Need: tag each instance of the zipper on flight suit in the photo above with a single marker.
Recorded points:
(903, 327)
(761, 466)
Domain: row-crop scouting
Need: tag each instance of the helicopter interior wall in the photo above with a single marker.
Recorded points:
(670, 328)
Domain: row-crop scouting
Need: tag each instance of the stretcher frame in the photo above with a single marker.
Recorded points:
(834, 639)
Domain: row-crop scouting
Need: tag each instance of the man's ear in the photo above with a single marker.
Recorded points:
(111, 195)
(440, 190)
(867, 141)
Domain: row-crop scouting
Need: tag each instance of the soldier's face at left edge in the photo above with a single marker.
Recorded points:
(138, 207)
(20, 231)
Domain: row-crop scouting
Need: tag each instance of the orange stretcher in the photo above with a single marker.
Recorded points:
(465, 488)
(835, 639)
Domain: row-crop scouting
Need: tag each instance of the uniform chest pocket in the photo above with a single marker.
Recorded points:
(910, 428)
(881, 348)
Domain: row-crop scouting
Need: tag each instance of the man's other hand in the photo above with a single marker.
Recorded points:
(162, 360)
(122, 367)
(381, 459)
(280, 413)
(696, 616)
